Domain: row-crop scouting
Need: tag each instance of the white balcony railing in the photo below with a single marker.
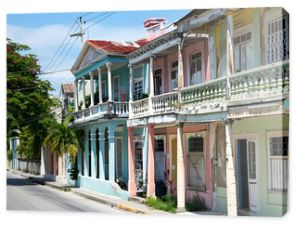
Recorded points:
(109, 109)
(165, 103)
(140, 107)
(261, 82)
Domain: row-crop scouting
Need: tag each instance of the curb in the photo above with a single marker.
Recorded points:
(110, 203)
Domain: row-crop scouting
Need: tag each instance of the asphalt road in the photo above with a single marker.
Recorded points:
(22, 194)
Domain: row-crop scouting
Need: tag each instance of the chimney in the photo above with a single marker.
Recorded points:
(155, 27)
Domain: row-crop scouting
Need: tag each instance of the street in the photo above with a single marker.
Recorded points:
(22, 194)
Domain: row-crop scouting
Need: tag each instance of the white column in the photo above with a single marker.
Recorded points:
(76, 95)
(108, 65)
(130, 89)
(230, 172)
(43, 168)
(180, 170)
(229, 51)
(83, 92)
(151, 84)
(180, 70)
(92, 89)
(100, 85)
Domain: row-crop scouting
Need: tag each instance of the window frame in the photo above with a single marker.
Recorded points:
(238, 33)
(203, 159)
(202, 69)
(274, 134)
(173, 69)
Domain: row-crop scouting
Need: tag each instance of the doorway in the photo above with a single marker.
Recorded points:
(247, 186)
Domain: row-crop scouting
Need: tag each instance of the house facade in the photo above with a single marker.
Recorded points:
(200, 111)
(210, 100)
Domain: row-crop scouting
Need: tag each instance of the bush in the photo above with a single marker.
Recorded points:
(195, 204)
(166, 203)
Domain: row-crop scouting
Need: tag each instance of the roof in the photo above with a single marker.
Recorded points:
(191, 13)
(113, 47)
(67, 87)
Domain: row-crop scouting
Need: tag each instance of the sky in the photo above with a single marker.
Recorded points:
(45, 33)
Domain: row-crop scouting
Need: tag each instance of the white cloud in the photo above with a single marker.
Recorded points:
(45, 40)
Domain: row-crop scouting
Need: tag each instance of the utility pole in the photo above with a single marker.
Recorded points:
(80, 33)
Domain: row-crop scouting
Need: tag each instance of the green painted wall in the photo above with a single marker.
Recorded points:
(271, 203)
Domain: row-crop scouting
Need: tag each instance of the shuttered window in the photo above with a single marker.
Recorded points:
(278, 160)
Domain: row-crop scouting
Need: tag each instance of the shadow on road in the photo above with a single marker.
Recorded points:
(19, 182)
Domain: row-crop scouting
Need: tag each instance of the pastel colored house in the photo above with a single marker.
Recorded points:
(101, 108)
(210, 101)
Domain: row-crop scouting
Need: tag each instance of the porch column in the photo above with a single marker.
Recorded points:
(59, 167)
(151, 84)
(92, 89)
(86, 152)
(180, 169)
(76, 95)
(229, 52)
(230, 172)
(93, 153)
(151, 178)
(108, 65)
(99, 85)
(130, 89)
(101, 155)
(83, 92)
(212, 159)
(111, 140)
(180, 77)
(131, 173)
(145, 157)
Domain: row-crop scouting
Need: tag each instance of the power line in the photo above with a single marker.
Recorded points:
(67, 35)
(95, 17)
(101, 19)
(67, 52)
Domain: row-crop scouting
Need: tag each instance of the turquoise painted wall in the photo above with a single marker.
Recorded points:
(96, 184)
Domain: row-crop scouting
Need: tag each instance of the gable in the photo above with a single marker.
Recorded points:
(90, 56)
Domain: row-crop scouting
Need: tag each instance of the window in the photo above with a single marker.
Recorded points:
(277, 39)
(243, 55)
(138, 89)
(138, 163)
(157, 82)
(278, 162)
(116, 88)
(138, 82)
(196, 164)
(159, 145)
(196, 75)
(174, 75)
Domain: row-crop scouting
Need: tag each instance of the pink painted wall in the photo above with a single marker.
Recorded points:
(165, 63)
(190, 193)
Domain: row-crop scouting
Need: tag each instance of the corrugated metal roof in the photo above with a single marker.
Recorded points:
(67, 87)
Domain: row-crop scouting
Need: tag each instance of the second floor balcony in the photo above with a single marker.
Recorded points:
(256, 85)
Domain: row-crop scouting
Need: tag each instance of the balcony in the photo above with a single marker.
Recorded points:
(103, 110)
(252, 86)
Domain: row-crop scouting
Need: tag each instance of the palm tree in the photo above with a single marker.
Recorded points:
(64, 139)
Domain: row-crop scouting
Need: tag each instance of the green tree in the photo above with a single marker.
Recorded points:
(29, 105)
(64, 139)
